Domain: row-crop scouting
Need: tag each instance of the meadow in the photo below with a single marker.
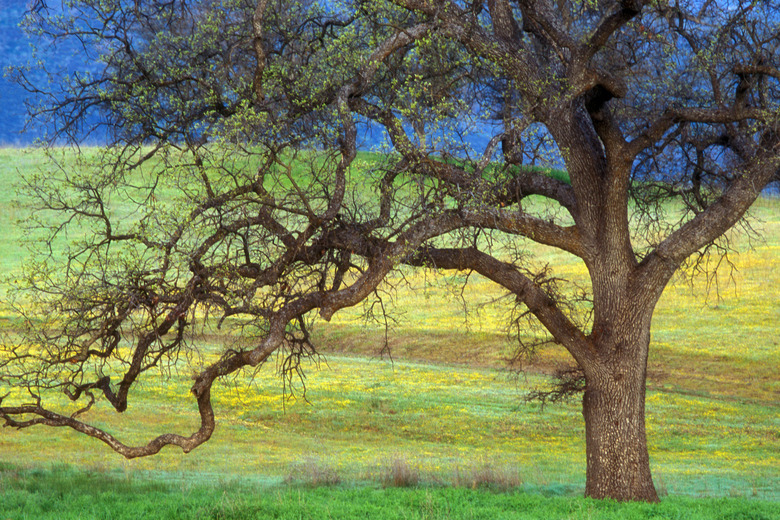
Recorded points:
(439, 428)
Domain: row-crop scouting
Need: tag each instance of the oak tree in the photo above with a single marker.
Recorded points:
(231, 192)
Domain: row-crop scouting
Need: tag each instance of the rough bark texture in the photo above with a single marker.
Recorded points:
(618, 463)
(613, 406)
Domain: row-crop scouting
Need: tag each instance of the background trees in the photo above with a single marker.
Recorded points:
(232, 192)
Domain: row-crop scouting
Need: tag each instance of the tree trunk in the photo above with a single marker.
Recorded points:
(618, 463)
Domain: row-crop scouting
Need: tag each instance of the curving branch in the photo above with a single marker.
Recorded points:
(713, 221)
(526, 290)
(676, 116)
(42, 416)
(616, 17)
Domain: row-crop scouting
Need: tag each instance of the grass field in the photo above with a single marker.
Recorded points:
(42, 494)
(442, 416)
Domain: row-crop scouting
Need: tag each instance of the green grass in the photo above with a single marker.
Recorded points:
(63, 493)
(443, 413)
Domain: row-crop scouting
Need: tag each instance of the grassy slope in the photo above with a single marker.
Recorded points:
(445, 412)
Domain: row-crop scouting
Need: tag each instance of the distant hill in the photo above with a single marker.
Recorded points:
(14, 50)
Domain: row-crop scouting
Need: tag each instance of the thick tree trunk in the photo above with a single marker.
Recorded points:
(618, 463)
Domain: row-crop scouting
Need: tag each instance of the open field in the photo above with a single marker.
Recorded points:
(443, 413)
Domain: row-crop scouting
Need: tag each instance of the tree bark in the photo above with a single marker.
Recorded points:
(618, 463)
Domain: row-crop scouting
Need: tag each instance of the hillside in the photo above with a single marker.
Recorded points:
(445, 409)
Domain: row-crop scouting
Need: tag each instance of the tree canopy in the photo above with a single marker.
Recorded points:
(232, 192)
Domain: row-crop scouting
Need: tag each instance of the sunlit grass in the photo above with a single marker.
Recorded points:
(444, 405)
(362, 415)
